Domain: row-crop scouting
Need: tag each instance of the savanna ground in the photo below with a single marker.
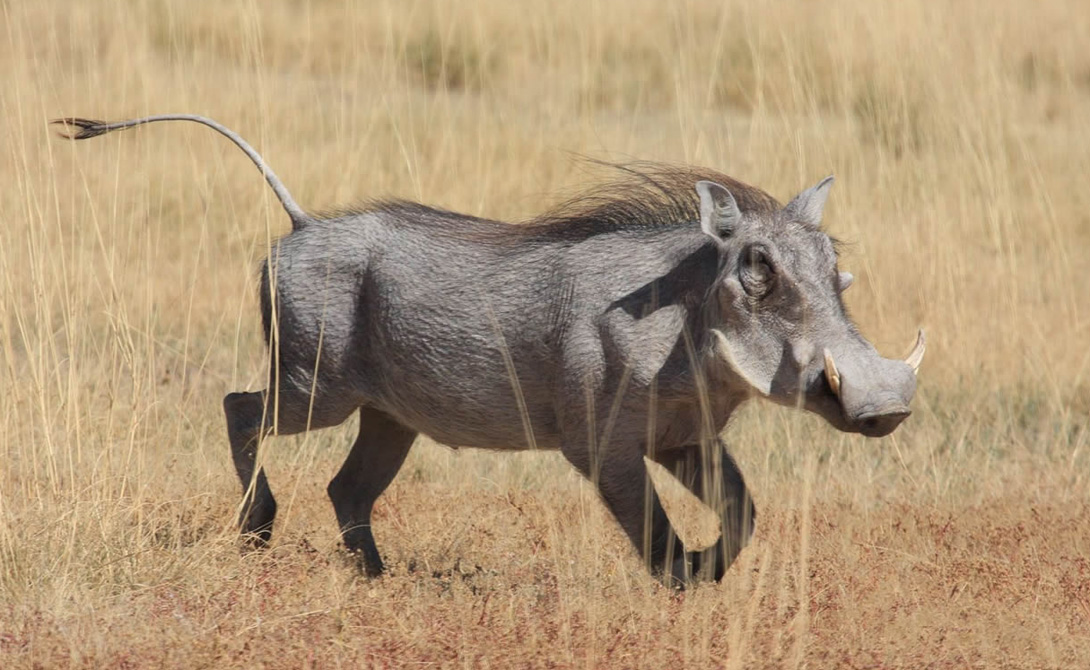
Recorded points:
(958, 134)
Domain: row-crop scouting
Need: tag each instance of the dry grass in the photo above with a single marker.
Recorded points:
(127, 309)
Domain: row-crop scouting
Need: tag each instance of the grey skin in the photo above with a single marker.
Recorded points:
(629, 323)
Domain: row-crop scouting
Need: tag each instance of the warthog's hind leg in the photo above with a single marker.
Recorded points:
(245, 418)
(250, 418)
(728, 497)
(374, 460)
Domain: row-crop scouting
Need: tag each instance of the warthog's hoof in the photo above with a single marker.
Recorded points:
(367, 563)
(694, 567)
(256, 526)
(256, 541)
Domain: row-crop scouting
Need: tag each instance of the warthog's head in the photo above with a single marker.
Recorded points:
(779, 321)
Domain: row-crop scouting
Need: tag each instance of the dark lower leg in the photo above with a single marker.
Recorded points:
(626, 489)
(251, 417)
(244, 429)
(374, 460)
(714, 477)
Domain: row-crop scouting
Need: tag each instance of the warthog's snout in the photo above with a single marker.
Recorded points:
(874, 396)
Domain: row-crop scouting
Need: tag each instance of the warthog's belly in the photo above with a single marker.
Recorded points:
(463, 421)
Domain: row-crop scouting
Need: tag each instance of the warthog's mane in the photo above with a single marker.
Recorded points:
(639, 196)
(647, 194)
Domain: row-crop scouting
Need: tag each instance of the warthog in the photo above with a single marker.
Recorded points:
(628, 323)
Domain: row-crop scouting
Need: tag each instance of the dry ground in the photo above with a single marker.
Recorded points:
(127, 309)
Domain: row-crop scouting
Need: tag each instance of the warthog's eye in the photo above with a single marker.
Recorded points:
(756, 271)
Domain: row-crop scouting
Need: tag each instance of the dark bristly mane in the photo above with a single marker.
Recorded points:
(643, 195)
(648, 194)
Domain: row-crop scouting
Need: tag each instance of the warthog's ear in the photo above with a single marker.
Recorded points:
(719, 213)
(806, 207)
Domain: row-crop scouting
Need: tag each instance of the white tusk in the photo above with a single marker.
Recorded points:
(831, 374)
(916, 357)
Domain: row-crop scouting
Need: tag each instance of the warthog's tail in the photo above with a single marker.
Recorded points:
(87, 128)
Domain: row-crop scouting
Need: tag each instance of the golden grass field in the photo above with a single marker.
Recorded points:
(959, 136)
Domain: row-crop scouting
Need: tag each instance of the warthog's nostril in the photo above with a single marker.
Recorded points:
(882, 424)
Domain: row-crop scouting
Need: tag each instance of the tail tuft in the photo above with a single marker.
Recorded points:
(76, 128)
(85, 128)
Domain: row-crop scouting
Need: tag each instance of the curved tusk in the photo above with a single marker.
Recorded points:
(916, 357)
(831, 373)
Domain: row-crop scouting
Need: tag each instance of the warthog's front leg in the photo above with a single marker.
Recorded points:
(377, 455)
(727, 496)
(625, 486)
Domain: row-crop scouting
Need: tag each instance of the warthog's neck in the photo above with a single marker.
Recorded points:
(701, 400)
